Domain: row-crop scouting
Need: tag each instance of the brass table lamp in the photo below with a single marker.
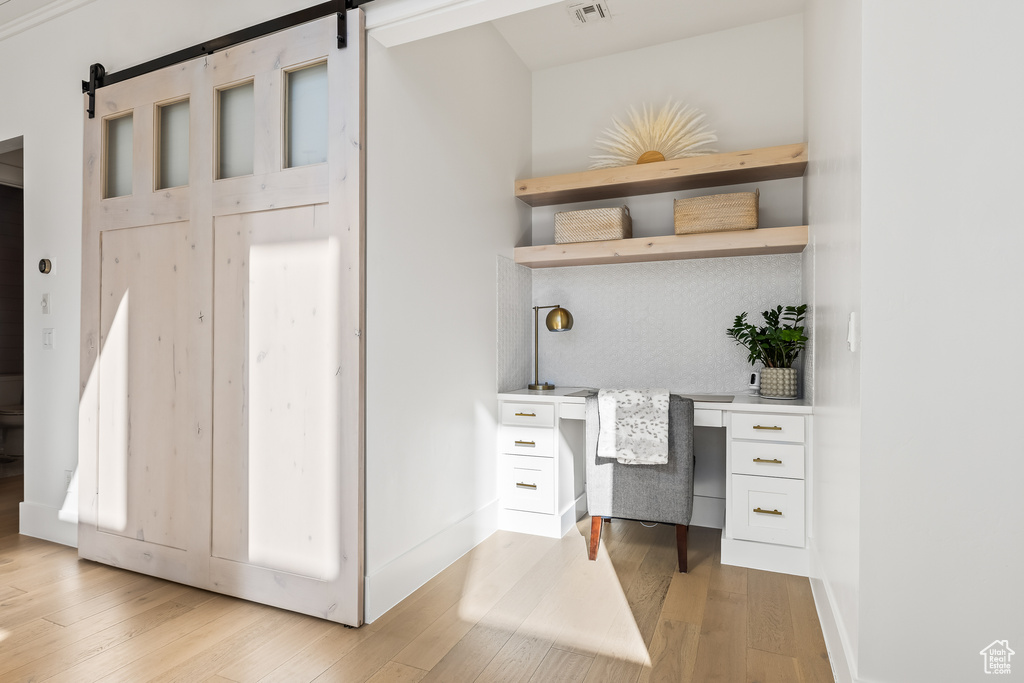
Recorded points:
(558, 320)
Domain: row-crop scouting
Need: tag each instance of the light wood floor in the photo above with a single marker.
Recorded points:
(516, 608)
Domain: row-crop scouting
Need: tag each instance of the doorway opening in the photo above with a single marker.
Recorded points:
(12, 328)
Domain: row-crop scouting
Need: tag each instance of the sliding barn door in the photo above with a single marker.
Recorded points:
(222, 355)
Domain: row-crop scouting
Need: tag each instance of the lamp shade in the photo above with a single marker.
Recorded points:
(559, 320)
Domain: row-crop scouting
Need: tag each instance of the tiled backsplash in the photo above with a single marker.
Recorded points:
(642, 324)
(514, 325)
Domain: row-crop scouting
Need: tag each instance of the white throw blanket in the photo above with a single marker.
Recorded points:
(633, 426)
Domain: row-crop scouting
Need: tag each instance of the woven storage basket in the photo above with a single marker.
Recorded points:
(736, 211)
(593, 225)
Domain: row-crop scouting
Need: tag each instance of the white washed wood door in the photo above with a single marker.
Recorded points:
(221, 418)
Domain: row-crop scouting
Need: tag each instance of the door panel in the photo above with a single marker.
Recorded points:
(295, 187)
(278, 507)
(221, 439)
(144, 419)
(276, 391)
(145, 377)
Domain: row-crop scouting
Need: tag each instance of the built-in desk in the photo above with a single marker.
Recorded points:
(764, 461)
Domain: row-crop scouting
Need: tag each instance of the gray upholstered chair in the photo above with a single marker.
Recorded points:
(647, 493)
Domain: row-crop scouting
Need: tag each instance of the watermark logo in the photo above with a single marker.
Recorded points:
(997, 657)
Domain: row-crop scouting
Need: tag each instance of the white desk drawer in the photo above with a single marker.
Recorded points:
(768, 509)
(768, 427)
(707, 418)
(527, 440)
(768, 459)
(528, 414)
(527, 484)
(573, 411)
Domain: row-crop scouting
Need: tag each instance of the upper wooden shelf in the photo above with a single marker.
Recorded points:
(712, 170)
(790, 240)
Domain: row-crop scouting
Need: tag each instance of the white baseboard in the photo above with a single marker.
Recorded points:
(395, 581)
(541, 523)
(708, 512)
(765, 556)
(42, 521)
(581, 508)
(573, 513)
(533, 523)
(836, 641)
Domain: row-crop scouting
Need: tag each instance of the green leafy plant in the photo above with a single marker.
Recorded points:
(777, 343)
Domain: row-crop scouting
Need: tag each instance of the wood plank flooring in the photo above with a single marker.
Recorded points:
(517, 608)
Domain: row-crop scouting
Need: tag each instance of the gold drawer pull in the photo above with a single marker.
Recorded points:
(531, 444)
(773, 460)
(774, 429)
(526, 414)
(521, 485)
(767, 512)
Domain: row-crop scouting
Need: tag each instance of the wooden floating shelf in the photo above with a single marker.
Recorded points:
(712, 170)
(760, 242)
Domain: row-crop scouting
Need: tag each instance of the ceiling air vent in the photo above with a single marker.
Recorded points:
(583, 13)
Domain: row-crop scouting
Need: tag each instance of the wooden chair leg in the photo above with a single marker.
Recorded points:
(681, 530)
(595, 536)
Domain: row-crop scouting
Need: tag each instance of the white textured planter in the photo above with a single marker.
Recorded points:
(779, 383)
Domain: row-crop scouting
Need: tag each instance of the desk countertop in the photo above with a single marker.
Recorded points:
(741, 403)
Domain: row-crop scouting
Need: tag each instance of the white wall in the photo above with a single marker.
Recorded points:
(448, 134)
(941, 463)
(747, 80)
(668, 320)
(43, 102)
(833, 280)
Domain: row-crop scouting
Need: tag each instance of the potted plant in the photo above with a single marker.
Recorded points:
(775, 345)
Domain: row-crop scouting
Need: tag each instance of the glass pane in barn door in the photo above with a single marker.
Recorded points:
(118, 156)
(236, 131)
(173, 149)
(307, 116)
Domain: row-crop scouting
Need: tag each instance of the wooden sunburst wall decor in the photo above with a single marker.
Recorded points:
(674, 132)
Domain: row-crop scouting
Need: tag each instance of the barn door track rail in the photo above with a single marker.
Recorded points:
(98, 76)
